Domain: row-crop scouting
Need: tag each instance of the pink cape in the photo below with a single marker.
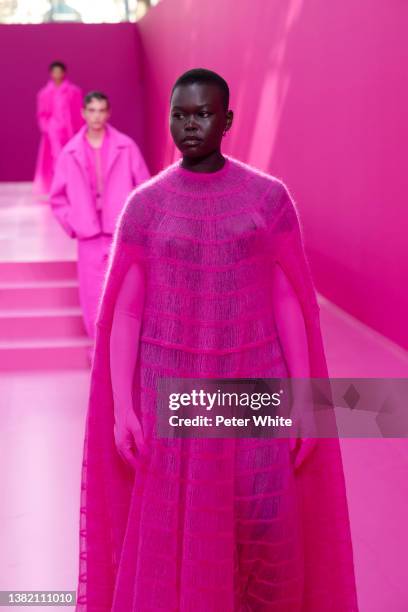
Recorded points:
(209, 525)
(59, 118)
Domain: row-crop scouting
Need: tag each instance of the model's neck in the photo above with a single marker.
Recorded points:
(211, 163)
(95, 137)
(58, 83)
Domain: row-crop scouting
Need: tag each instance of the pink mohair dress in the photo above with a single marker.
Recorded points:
(209, 525)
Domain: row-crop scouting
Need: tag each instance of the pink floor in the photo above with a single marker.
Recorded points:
(43, 391)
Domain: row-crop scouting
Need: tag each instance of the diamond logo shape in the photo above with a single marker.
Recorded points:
(351, 397)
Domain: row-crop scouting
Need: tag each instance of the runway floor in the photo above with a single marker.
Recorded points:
(44, 377)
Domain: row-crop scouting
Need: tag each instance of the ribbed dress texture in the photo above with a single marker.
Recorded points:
(210, 525)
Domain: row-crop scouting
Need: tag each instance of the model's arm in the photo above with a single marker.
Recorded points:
(140, 171)
(290, 325)
(42, 115)
(124, 348)
(292, 334)
(59, 198)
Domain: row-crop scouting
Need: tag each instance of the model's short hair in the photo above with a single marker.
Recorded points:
(57, 65)
(202, 75)
(96, 95)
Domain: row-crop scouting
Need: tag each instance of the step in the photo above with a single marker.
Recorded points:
(38, 294)
(22, 187)
(25, 271)
(45, 354)
(40, 323)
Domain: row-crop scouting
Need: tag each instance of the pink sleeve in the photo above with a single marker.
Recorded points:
(140, 172)
(290, 325)
(125, 334)
(42, 115)
(59, 201)
(288, 251)
(291, 329)
(296, 310)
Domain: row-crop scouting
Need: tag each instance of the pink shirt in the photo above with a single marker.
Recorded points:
(96, 165)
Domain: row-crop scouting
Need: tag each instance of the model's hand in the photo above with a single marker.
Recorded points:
(129, 438)
(300, 449)
(304, 428)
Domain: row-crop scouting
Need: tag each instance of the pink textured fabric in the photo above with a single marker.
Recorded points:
(59, 118)
(124, 347)
(93, 256)
(209, 525)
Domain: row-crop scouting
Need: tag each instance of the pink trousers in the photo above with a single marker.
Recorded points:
(92, 262)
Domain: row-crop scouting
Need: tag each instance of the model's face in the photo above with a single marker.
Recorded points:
(96, 114)
(57, 74)
(198, 119)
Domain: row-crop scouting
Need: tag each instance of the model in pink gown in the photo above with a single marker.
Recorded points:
(59, 118)
(207, 525)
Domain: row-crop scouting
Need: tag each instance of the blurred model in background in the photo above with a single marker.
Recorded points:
(59, 117)
(95, 173)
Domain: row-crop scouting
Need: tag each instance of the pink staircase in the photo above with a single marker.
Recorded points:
(41, 325)
(40, 319)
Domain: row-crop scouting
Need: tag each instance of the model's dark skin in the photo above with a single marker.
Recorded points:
(197, 112)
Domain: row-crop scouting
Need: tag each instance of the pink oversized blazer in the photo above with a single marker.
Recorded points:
(59, 118)
(71, 196)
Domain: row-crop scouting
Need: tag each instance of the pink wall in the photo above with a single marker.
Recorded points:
(321, 95)
(102, 57)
